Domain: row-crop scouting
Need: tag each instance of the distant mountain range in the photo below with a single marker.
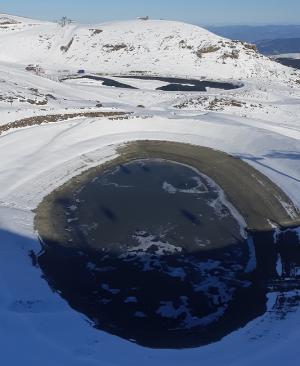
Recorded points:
(257, 33)
(270, 39)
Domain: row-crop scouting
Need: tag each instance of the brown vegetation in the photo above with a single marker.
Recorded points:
(114, 47)
(250, 46)
(183, 44)
(204, 50)
(234, 54)
(38, 120)
(215, 104)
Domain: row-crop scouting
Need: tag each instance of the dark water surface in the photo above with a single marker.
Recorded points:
(155, 255)
(291, 62)
(181, 84)
(175, 84)
(106, 81)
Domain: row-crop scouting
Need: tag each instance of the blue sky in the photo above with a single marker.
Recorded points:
(194, 11)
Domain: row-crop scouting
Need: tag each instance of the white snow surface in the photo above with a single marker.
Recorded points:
(37, 326)
(287, 55)
(158, 46)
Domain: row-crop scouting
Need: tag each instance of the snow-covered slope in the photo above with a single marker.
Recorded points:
(258, 123)
(162, 47)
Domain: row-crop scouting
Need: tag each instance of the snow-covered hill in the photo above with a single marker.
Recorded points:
(162, 47)
(257, 122)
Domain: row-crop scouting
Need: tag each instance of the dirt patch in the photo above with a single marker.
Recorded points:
(38, 120)
(67, 47)
(96, 31)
